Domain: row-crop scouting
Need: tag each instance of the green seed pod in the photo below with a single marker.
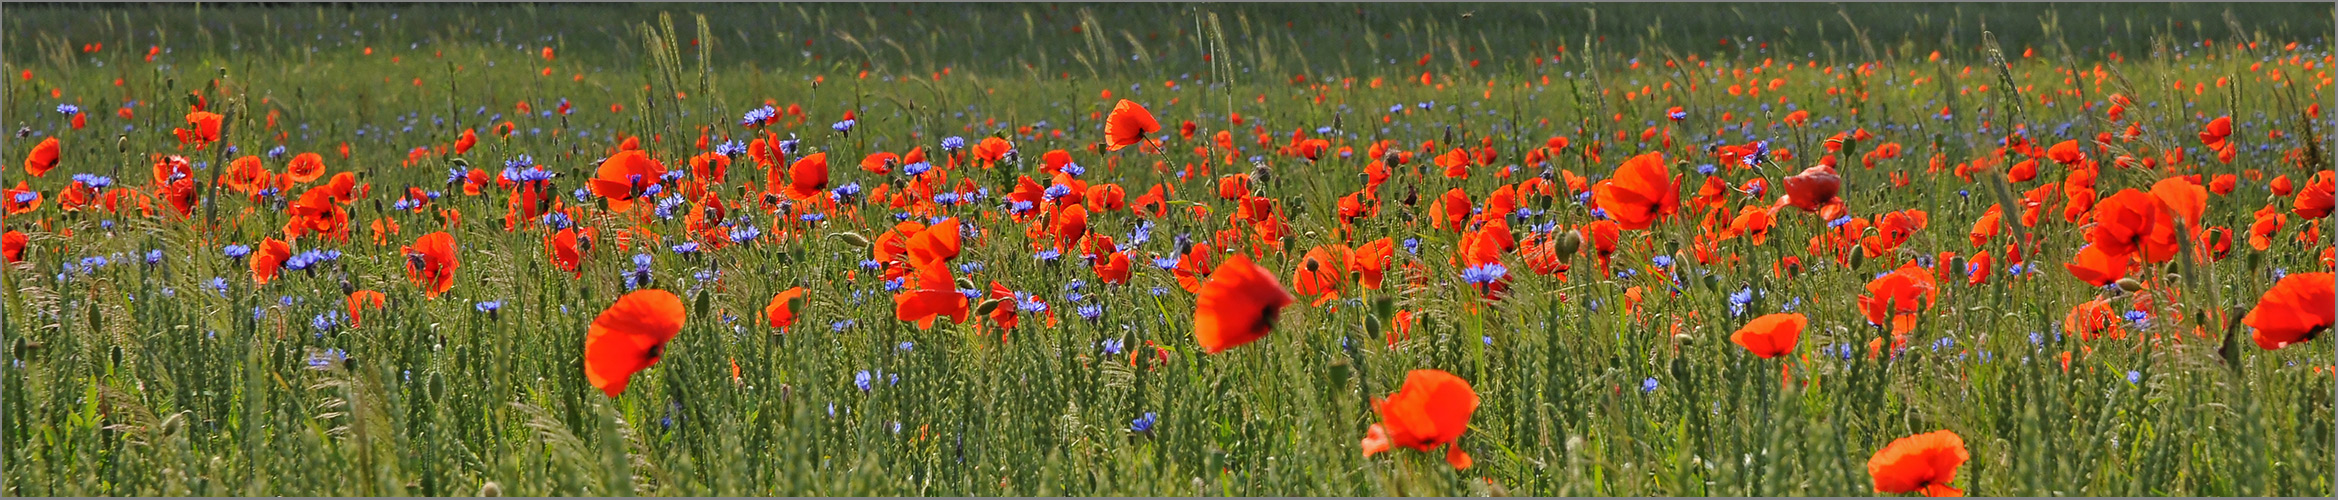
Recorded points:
(851, 238)
(1568, 243)
(1383, 307)
(1958, 264)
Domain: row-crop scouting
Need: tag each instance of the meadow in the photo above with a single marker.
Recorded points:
(1168, 250)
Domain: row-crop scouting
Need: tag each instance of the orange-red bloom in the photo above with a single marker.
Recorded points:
(1237, 305)
(2294, 311)
(1642, 191)
(1897, 297)
(1128, 125)
(42, 158)
(784, 308)
(1431, 410)
(630, 336)
(1771, 335)
(1923, 463)
(431, 263)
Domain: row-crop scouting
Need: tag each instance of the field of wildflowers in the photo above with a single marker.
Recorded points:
(1168, 249)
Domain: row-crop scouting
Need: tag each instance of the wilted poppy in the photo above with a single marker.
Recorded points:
(1432, 409)
(1237, 305)
(630, 336)
(1923, 463)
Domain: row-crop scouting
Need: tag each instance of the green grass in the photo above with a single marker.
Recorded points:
(138, 379)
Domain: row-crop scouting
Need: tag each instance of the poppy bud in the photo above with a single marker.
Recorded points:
(986, 307)
(491, 489)
(1858, 259)
(854, 239)
(2129, 284)
(1958, 264)
(1568, 243)
(1383, 307)
(965, 284)
(1712, 283)
(1372, 325)
(122, 142)
(1683, 338)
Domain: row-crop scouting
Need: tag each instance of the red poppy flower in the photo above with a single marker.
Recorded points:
(1771, 335)
(566, 251)
(305, 168)
(932, 295)
(431, 263)
(205, 129)
(1897, 297)
(12, 245)
(625, 177)
(1432, 409)
(784, 308)
(42, 158)
(2294, 311)
(2319, 196)
(268, 259)
(630, 336)
(1321, 273)
(1237, 305)
(931, 245)
(1128, 125)
(807, 177)
(2132, 221)
(1924, 463)
(2066, 152)
(464, 143)
(1813, 188)
(1641, 192)
(10, 203)
(361, 300)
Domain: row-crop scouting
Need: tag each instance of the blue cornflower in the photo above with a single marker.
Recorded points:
(488, 306)
(237, 251)
(730, 148)
(1090, 311)
(916, 169)
(1484, 274)
(953, 143)
(842, 127)
(861, 380)
(1112, 345)
(1648, 385)
(2134, 377)
(1143, 423)
(757, 116)
(1074, 169)
(1048, 255)
(68, 109)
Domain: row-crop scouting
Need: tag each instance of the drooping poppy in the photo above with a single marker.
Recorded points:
(1923, 463)
(2297, 309)
(630, 336)
(784, 308)
(1641, 192)
(1237, 305)
(1432, 409)
(1128, 125)
(431, 263)
(42, 158)
(1771, 335)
